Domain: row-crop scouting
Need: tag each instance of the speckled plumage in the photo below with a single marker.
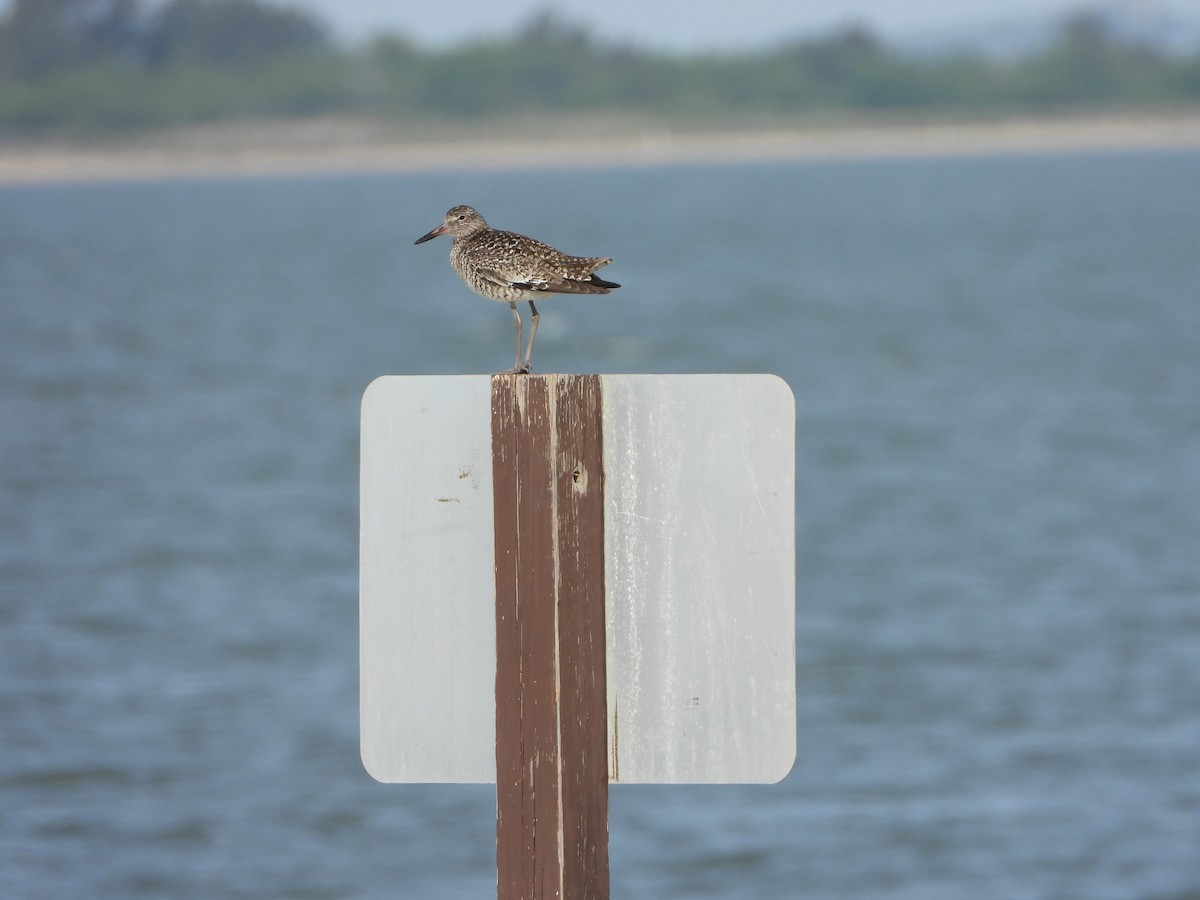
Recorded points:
(510, 267)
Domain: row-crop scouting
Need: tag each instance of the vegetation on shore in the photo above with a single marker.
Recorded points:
(104, 66)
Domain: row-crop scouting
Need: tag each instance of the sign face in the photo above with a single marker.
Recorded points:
(699, 533)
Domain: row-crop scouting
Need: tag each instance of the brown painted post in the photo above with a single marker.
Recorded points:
(551, 751)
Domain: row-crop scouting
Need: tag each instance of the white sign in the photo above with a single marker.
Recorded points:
(700, 578)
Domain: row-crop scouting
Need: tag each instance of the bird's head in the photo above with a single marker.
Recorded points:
(460, 221)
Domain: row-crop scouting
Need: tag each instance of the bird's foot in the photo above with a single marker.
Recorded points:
(517, 370)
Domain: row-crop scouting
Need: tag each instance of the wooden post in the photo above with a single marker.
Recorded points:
(551, 751)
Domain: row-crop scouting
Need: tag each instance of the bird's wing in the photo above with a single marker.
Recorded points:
(513, 260)
(542, 268)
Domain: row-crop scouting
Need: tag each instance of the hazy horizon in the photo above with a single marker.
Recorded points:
(672, 24)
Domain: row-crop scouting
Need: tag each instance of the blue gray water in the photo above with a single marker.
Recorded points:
(996, 365)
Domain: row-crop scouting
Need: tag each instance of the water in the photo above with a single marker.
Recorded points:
(996, 365)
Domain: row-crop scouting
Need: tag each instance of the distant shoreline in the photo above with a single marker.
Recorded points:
(317, 147)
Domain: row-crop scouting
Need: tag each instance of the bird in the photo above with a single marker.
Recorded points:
(510, 267)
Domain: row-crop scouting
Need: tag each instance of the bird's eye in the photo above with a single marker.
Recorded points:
(462, 218)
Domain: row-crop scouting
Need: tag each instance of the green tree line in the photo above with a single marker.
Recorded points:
(79, 66)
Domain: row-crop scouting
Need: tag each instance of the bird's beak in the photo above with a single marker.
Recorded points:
(441, 229)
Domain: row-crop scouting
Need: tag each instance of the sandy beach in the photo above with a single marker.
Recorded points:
(323, 146)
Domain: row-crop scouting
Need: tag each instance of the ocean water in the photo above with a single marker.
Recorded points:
(996, 364)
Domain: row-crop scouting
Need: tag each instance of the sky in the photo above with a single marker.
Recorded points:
(678, 24)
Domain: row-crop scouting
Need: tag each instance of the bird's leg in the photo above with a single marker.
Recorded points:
(533, 324)
(517, 323)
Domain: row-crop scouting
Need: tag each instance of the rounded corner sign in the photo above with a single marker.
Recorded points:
(699, 536)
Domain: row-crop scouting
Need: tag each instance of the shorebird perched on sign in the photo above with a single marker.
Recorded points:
(509, 267)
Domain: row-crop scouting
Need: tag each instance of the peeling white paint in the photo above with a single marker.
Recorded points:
(699, 574)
